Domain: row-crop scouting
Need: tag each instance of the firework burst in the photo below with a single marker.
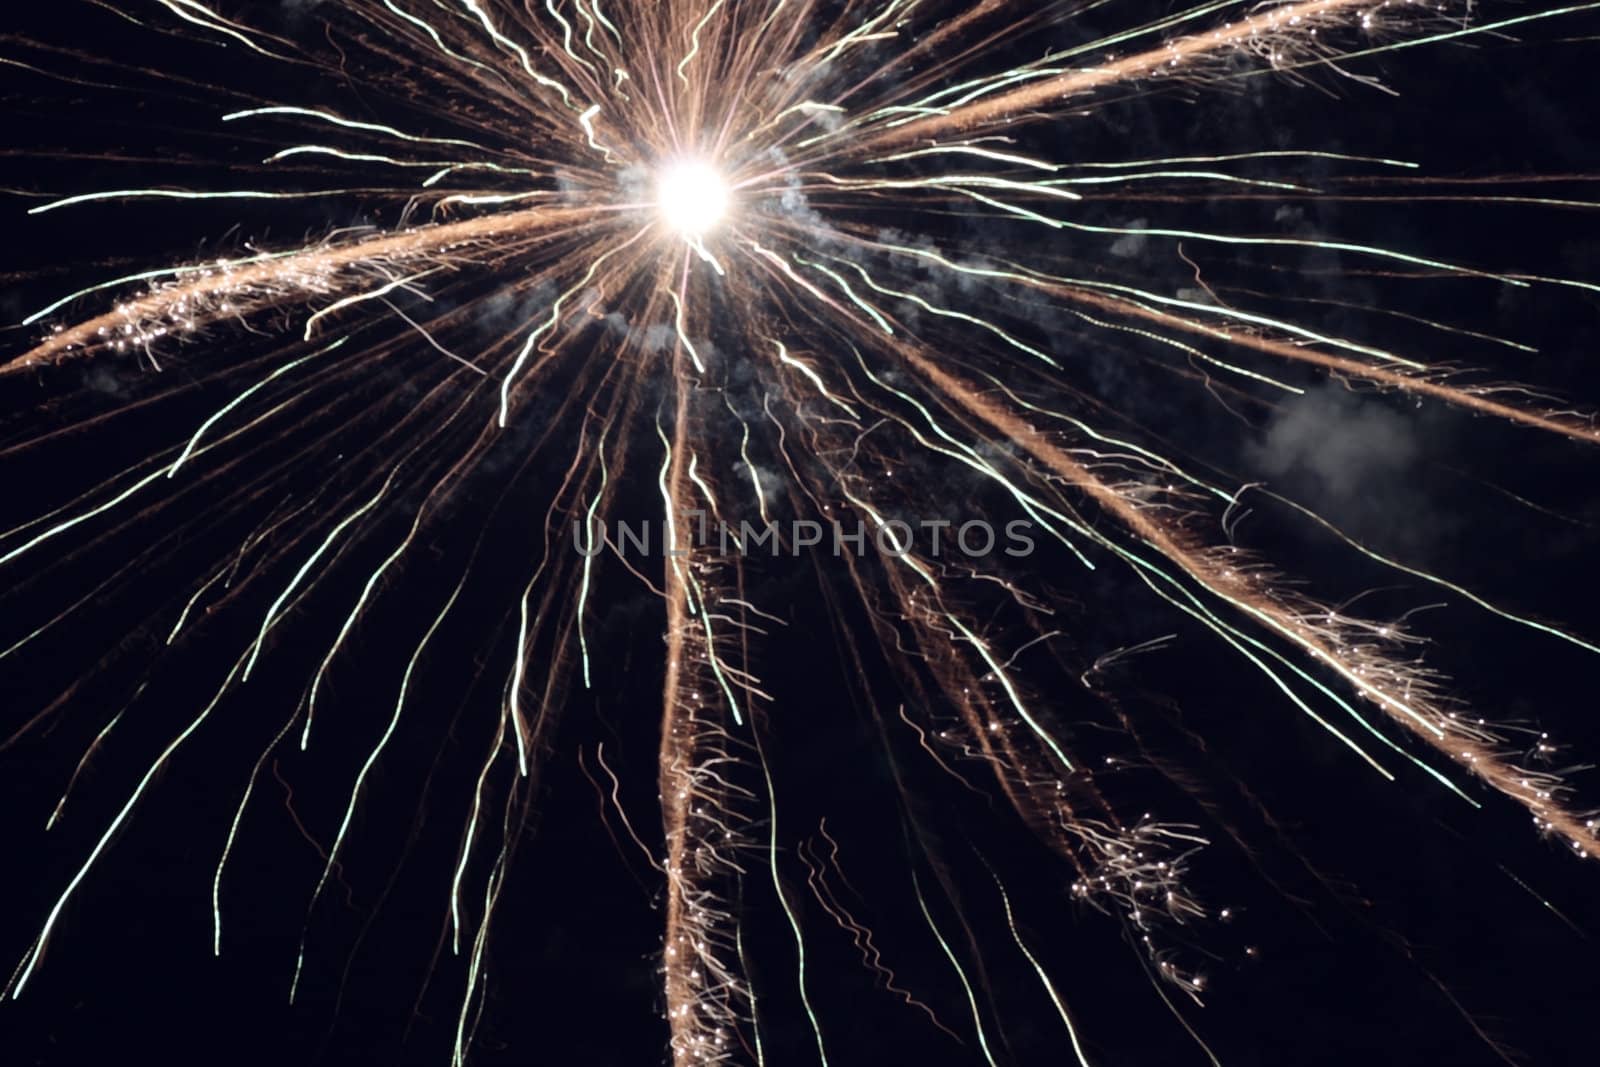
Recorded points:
(691, 262)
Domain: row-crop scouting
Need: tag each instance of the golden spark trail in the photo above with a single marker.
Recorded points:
(1576, 427)
(1389, 686)
(704, 994)
(1273, 21)
(1413, 378)
(292, 277)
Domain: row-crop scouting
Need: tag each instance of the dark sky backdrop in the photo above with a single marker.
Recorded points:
(1388, 921)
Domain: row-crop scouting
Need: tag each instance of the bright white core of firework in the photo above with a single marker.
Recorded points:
(692, 197)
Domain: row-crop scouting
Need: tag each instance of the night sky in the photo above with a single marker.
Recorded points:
(1368, 921)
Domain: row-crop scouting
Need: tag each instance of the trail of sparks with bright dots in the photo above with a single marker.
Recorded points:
(680, 151)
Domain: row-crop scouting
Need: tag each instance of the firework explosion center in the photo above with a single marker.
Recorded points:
(692, 197)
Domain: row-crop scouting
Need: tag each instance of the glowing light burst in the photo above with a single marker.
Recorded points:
(693, 197)
(670, 182)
